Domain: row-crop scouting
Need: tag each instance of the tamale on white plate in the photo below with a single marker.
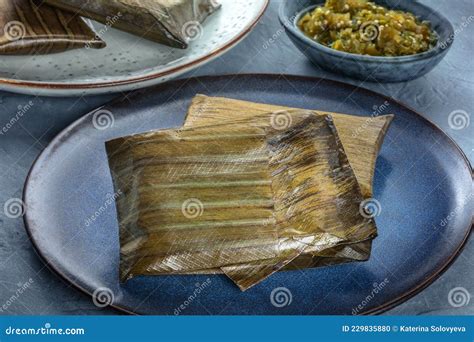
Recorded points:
(130, 61)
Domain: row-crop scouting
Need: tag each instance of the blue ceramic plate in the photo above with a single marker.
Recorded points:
(372, 68)
(421, 179)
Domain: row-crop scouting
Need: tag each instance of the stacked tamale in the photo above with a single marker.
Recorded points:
(50, 26)
(162, 21)
(245, 189)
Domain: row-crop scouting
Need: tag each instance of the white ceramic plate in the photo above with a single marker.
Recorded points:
(128, 62)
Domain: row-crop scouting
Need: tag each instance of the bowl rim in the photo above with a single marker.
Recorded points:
(290, 25)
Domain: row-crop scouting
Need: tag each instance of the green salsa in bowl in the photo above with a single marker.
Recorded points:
(382, 40)
(366, 28)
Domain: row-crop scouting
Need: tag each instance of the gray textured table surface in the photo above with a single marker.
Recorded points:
(448, 88)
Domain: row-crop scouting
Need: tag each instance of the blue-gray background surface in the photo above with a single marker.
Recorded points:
(448, 88)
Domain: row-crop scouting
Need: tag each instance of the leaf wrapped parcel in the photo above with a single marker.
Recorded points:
(318, 170)
(261, 197)
(193, 199)
(361, 138)
(34, 28)
(162, 21)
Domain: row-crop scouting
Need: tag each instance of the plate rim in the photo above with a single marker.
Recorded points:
(57, 86)
(29, 223)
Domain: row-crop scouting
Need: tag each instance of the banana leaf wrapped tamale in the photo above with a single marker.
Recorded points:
(328, 188)
(30, 27)
(169, 22)
(308, 168)
(361, 138)
(187, 202)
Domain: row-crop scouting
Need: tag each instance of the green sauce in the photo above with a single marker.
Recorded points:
(363, 27)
